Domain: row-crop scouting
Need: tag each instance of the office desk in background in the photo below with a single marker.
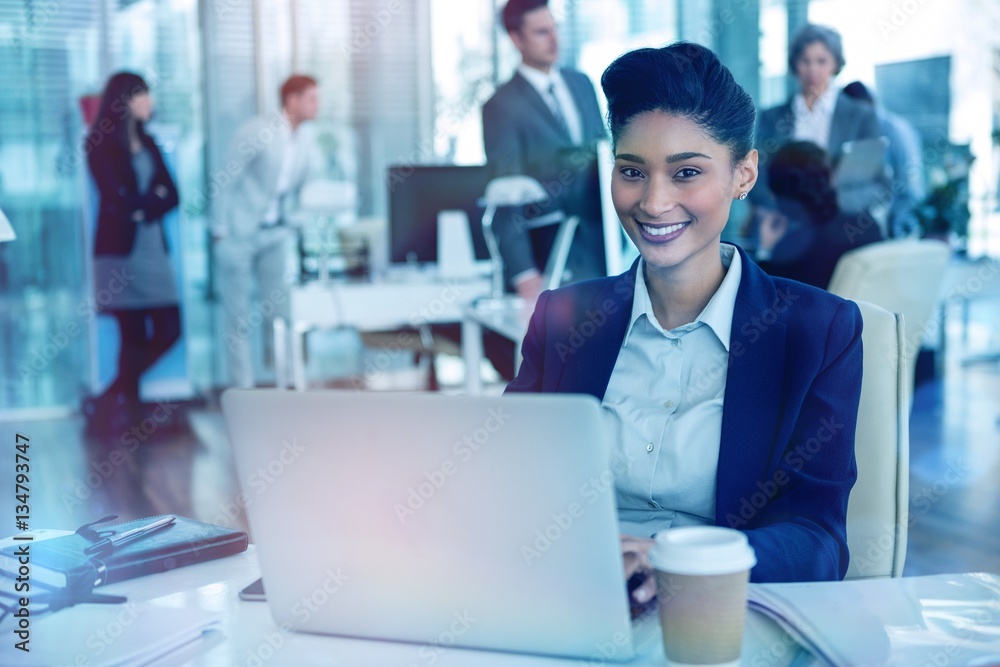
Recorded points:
(402, 300)
(507, 316)
(249, 637)
(968, 282)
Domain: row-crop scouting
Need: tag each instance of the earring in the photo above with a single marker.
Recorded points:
(743, 195)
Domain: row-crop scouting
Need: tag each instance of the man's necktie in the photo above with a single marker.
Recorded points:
(557, 109)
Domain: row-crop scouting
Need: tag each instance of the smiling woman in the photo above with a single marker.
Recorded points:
(672, 187)
(712, 375)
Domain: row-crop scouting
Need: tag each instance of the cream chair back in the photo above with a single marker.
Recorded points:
(877, 512)
(903, 276)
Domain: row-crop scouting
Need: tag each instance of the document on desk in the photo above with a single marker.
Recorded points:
(947, 619)
(116, 635)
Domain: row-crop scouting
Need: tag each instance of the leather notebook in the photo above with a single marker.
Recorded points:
(62, 562)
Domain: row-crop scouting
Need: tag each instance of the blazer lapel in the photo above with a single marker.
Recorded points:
(542, 110)
(597, 352)
(753, 397)
(587, 131)
(786, 126)
(839, 123)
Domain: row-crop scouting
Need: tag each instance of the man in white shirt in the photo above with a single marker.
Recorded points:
(268, 163)
(545, 123)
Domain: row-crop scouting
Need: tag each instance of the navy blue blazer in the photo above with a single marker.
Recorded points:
(786, 456)
(111, 166)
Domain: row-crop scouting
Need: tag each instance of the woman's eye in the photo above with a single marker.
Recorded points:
(631, 172)
(687, 173)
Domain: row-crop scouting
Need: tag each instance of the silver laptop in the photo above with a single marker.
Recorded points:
(482, 522)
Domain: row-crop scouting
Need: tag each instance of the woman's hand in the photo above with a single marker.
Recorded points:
(638, 572)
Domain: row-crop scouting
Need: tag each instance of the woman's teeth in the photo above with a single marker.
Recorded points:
(663, 231)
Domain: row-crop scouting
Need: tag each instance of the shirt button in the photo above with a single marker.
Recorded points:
(649, 447)
(668, 404)
(675, 342)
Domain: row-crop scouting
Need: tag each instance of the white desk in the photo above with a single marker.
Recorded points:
(508, 317)
(966, 281)
(408, 300)
(250, 637)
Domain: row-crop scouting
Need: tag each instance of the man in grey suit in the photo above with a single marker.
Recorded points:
(269, 162)
(545, 123)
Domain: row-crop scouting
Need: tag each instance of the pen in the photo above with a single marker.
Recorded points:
(111, 543)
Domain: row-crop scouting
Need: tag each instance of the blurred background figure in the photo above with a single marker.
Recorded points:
(904, 163)
(818, 112)
(131, 264)
(808, 233)
(253, 221)
(545, 123)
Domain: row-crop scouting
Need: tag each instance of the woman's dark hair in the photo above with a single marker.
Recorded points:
(800, 172)
(686, 80)
(112, 117)
(811, 33)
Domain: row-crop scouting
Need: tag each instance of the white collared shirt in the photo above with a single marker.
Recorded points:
(290, 140)
(814, 124)
(664, 406)
(541, 81)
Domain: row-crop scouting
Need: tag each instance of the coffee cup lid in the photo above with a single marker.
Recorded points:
(701, 550)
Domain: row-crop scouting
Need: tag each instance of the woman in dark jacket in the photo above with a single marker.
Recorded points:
(133, 279)
(809, 234)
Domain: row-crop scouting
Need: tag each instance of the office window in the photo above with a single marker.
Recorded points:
(774, 72)
(913, 90)
(48, 60)
(325, 43)
(52, 55)
(462, 60)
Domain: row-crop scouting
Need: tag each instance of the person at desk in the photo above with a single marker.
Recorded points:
(545, 123)
(135, 192)
(817, 113)
(733, 396)
(810, 233)
(252, 229)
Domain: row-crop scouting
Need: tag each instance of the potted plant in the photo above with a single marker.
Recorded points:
(944, 214)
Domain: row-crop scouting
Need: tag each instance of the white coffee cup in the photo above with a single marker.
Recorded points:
(702, 574)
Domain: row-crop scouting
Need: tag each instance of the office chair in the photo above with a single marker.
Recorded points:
(521, 191)
(903, 276)
(877, 514)
(325, 207)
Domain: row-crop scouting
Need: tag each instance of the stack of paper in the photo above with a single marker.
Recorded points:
(121, 635)
(948, 619)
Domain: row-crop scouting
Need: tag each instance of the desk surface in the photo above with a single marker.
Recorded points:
(383, 305)
(250, 637)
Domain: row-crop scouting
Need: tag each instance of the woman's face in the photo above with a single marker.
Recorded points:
(815, 68)
(672, 187)
(140, 107)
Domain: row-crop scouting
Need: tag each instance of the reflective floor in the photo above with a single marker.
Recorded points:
(188, 470)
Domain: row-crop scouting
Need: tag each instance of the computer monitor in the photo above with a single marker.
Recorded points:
(417, 193)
